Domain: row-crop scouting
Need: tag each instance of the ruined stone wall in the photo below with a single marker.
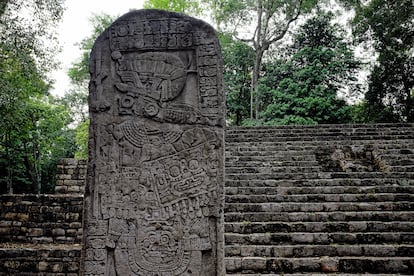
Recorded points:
(49, 261)
(40, 219)
(40, 234)
(70, 176)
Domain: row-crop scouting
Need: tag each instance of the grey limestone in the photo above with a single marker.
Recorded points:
(154, 196)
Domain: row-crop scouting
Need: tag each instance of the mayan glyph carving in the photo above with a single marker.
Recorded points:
(154, 195)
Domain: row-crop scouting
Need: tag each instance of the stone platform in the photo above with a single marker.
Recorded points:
(320, 200)
(324, 199)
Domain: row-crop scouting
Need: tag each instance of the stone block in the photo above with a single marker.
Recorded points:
(63, 177)
(57, 267)
(73, 189)
(42, 266)
(329, 264)
(58, 232)
(35, 232)
(157, 126)
(255, 264)
(75, 225)
(61, 189)
(233, 264)
(42, 240)
(71, 182)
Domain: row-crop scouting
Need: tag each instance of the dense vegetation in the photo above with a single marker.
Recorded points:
(285, 62)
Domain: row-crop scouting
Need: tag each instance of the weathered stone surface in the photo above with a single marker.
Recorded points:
(325, 199)
(70, 176)
(154, 196)
(40, 219)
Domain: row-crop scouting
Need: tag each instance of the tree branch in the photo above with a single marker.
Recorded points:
(284, 31)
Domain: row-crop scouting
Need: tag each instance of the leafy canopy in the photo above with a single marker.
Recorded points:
(304, 88)
(389, 27)
(189, 7)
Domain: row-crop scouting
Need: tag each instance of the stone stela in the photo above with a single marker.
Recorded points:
(154, 196)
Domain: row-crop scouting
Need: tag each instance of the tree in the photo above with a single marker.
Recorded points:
(238, 64)
(304, 89)
(34, 135)
(29, 26)
(79, 71)
(271, 20)
(389, 25)
(76, 99)
(32, 129)
(82, 136)
(190, 7)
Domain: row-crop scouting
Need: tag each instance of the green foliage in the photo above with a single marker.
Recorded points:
(389, 25)
(76, 99)
(77, 102)
(303, 89)
(34, 137)
(364, 113)
(33, 132)
(238, 64)
(260, 24)
(79, 72)
(236, 15)
(190, 7)
(82, 136)
(29, 26)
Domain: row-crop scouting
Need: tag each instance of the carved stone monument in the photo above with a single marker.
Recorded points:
(154, 196)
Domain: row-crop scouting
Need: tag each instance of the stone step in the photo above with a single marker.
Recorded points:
(331, 129)
(306, 137)
(247, 227)
(321, 129)
(317, 132)
(296, 238)
(275, 184)
(389, 146)
(266, 164)
(385, 216)
(319, 206)
(270, 158)
(342, 197)
(317, 191)
(237, 265)
(298, 170)
(271, 170)
(267, 159)
(339, 250)
(276, 154)
(317, 274)
(401, 160)
(322, 175)
(327, 127)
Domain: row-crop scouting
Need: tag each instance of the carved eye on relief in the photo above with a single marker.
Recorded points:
(164, 240)
(174, 171)
(127, 102)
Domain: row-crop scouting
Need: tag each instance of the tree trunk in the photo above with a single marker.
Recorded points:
(37, 169)
(255, 81)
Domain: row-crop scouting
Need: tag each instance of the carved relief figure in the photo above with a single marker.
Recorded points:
(154, 199)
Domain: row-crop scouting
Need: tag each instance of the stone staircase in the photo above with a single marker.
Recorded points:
(334, 199)
(317, 200)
